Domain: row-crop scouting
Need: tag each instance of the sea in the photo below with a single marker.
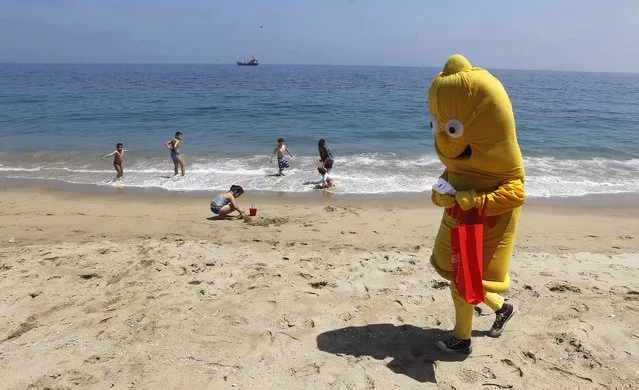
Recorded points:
(579, 132)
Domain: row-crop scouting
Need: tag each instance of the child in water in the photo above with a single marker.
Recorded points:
(282, 160)
(224, 203)
(118, 159)
(326, 157)
(327, 179)
(174, 146)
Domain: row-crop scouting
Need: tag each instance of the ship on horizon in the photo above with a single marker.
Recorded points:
(252, 62)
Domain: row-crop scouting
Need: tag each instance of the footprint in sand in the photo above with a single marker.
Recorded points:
(532, 290)
(579, 307)
(29, 324)
(632, 296)
(318, 285)
(99, 359)
(89, 276)
(439, 284)
(307, 370)
(562, 286)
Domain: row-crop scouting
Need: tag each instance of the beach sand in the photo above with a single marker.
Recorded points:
(118, 291)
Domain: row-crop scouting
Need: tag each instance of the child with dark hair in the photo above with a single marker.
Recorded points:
(174, 146)
(282, 160)
(328, 181)
(118, 159)
(224, 203)
(326, 157)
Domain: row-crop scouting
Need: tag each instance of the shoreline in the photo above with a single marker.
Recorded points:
(606, 201)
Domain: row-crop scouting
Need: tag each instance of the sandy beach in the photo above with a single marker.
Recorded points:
(123, 291)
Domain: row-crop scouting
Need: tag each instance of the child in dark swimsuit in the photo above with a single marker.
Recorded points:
(224, 203)
(174, 146)
(326, 157)
(118, 159)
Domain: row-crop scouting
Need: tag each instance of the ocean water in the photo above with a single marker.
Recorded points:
(579, 132)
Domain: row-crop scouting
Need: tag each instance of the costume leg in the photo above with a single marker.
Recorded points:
(463, 315)
(464, 311)
(494, 301)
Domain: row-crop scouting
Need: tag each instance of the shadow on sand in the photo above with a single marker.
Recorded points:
(412, 349)
(227, 218)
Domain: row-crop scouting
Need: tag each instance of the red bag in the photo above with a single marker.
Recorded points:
(467, 250)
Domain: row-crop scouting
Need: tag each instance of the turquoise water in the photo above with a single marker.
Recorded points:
(579, 132)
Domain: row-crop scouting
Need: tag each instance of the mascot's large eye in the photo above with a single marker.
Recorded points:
(434, 124)
(454, 128)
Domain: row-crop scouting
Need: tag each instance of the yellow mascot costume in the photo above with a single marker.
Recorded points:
(475, 139)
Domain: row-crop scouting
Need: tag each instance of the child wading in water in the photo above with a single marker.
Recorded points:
(118, 159)
(174, 146)
(326, 157)
(328, 181)
(282, 160)
(223, 204)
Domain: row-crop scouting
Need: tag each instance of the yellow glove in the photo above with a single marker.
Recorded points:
(466, 199)
(444, 200)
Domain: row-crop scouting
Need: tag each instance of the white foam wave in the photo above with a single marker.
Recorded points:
(358, 174)
(19, 169)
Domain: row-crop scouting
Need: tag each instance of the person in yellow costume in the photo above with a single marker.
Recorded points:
(475, 138)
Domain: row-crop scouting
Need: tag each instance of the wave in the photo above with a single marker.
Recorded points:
(366, 173)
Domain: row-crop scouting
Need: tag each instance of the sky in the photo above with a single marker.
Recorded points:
(587, 35)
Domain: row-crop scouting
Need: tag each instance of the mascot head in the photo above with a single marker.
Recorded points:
(473, 122)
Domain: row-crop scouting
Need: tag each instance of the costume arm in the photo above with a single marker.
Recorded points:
(442, 200)
(508, 196)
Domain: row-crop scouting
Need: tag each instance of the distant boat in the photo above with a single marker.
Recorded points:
(252, 62)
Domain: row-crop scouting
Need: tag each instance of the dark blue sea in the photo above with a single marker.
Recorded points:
(579, 132)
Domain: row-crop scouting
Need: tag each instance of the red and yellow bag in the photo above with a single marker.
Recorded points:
(467, 250)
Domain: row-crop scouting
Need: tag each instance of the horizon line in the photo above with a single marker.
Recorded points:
(298, 64)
